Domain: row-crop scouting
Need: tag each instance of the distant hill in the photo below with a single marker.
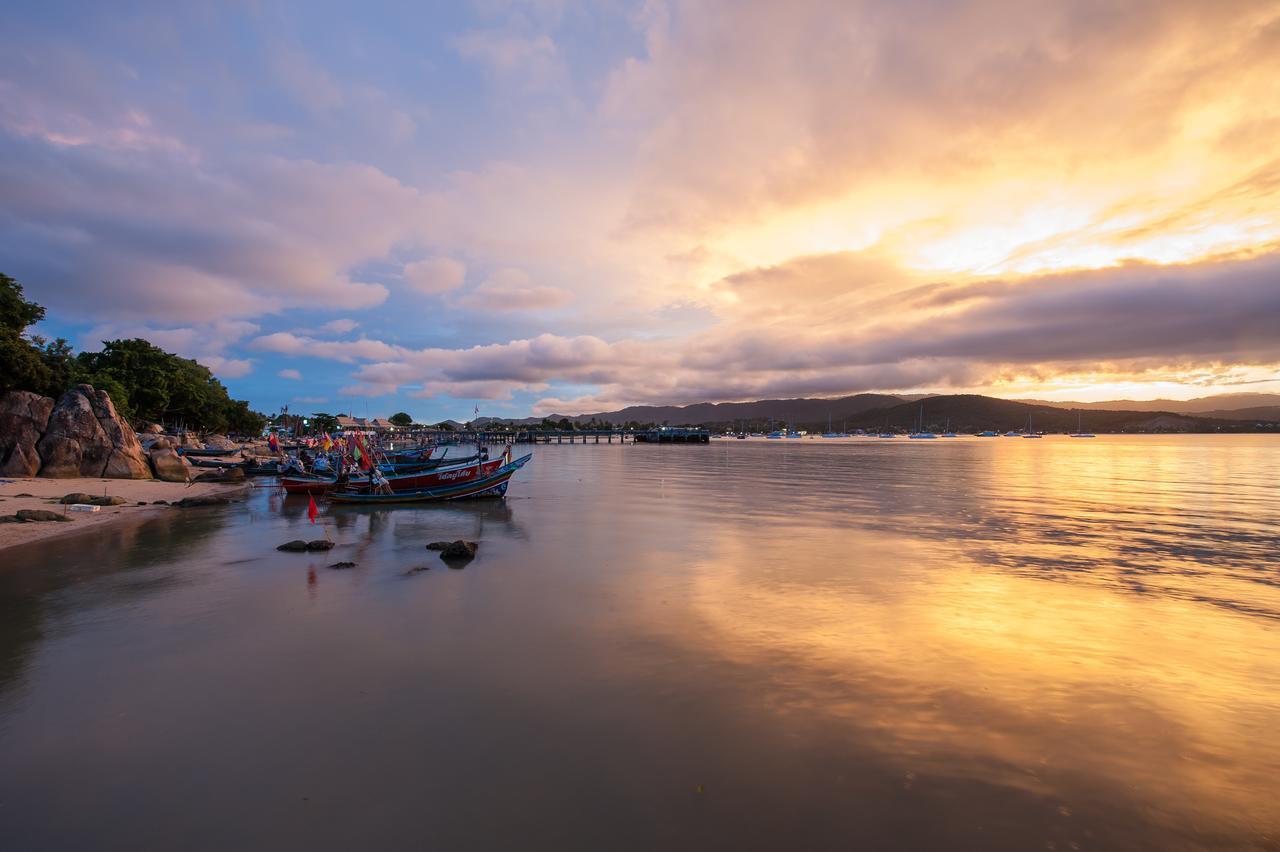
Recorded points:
(1224, 402)
(974, 413)
(1261, 412)
(783, 411)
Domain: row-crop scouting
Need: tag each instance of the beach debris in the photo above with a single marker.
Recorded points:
(295, 546)
(341, 565)
(83, 507)
(205, 500)
(320, 544)
(40, 515)
(458, 551)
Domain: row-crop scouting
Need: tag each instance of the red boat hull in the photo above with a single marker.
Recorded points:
(407, 482)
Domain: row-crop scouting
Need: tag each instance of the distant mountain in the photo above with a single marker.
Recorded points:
(783, 411)
(974, 413)
(1261, 412)
(1224, 402)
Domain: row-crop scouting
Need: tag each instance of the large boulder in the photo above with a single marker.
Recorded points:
(85, 437)
(190, 440)
(126, 460)
(24, 416)
(219, 442)
(169, 466)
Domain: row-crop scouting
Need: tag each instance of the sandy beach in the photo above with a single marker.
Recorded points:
(45, 492)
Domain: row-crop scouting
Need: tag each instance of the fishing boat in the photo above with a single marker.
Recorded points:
(1080, 433)
(491, 485)
(436, 476)
(208, 452)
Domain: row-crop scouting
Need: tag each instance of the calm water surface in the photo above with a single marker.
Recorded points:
(963, 644)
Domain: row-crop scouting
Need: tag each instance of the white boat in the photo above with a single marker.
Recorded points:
(1080, 433)
(1029, 433)
(920, 434)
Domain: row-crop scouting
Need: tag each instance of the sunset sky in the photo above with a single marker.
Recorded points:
(568, 207)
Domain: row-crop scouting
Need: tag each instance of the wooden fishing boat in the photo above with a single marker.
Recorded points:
(492, 485)
(431, 477)
(208, 452)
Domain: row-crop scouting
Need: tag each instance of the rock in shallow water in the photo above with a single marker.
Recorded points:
(341, 565)
(295, 546)
(459, 551)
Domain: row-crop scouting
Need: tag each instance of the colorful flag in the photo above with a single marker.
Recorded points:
(273, 443)
(327, 442)
(312, 511)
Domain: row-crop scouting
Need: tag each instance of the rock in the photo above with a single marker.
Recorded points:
(219, 442)
(24, 494)
(146, 428)
(85, 437)
(76, 497)
(169, 466)
(161, 444)
(340, 565)
(159, 502)
(190, 441)
(417, 568)
(320, 544)
(106, 501)
(142, 502)
(207, 500)
(24, 416)
(459, 551)
(10, 519)
(438, 545)
(295, 546)
(230, 474)
(39, 515)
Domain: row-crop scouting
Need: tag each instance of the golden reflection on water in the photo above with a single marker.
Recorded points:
(1148, 670)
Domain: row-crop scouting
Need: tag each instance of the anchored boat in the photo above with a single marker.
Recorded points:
(492, 485)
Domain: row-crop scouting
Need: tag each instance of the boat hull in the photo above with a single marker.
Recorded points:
(493, 485)
(434, 477)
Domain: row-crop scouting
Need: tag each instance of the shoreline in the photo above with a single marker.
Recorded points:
(43, 491)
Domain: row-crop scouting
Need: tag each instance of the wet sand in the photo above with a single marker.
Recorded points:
(43, 491)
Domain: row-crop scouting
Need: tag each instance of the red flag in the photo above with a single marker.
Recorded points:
(312, 511)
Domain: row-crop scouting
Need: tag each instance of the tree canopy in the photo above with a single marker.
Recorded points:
(401, 419)
(144, 381)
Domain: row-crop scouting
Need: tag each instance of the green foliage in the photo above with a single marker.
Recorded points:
(16, 313)
(401, 419)
(324, 422)
(144, 381)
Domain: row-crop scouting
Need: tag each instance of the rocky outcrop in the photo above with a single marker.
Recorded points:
(168, 465)
(219, 442)
(86, 437)
(24, 416)
(190, 441)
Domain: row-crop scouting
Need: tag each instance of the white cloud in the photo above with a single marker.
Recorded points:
(511, 289)
(290, 374)
(435, 275)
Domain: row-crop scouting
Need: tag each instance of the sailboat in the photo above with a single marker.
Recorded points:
(949, 433)
(831, 434)
(1029, 433)
(1080, 433)
(920, 434)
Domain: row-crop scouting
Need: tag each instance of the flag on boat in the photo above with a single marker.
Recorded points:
(312, 511)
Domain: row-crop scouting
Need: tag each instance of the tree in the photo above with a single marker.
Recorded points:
(21, 367)
(324, 422)
(401, 419)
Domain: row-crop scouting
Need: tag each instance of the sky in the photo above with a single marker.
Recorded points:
(554, 207)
